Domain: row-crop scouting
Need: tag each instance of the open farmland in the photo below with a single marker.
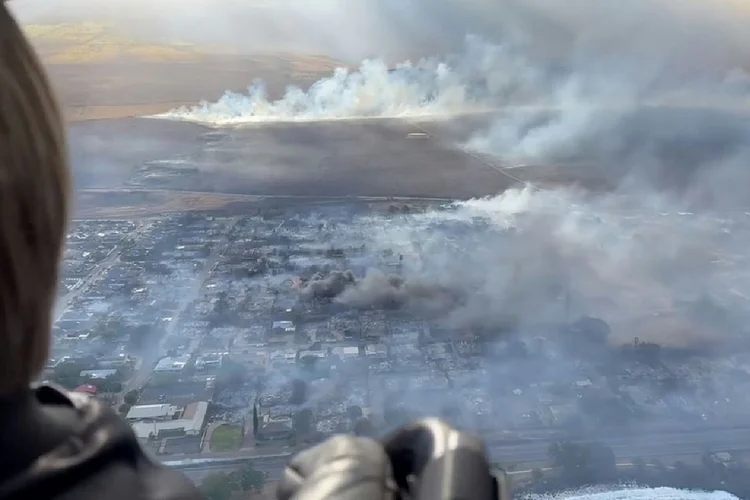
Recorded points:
(102, 74)
(97, 43)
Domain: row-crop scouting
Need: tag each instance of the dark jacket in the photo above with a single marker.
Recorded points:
(68, 446)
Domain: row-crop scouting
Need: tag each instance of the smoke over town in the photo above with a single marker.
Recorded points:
(565, 251)
(379, 290)
(654, 122)
(529, 258)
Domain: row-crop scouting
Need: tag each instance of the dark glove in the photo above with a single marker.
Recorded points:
(340, 468)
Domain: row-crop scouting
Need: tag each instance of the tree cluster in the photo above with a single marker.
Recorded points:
(68, 375)
(582, 464)
(225, 486)
(231, 374)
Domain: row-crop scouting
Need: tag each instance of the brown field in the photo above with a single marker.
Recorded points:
(100, 74)
(124, 205)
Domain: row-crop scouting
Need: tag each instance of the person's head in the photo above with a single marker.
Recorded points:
(33, 207)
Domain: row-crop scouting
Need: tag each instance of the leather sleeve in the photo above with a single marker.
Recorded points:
(341, 468)
(101, 459)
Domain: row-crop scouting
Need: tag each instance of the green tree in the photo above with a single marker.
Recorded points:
(308, 363)
(588, 329)
(110, 328)
(110, 384)
(354, 412)
(230, 374)
(601, 463)
(584, 463)
(303, 422)
(68, 374)
(217, 487)
(556, 453)
(364, 427)
(639, 465)
(299, 392)
(247, 478)
(131, 397)
(139, 336)
(537, 474)
(222, 305)
(658, 465)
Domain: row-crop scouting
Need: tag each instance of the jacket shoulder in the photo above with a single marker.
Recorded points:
(101, 459)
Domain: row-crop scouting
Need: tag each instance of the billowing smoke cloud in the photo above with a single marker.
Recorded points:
(687, 32)
(529, 258)
(379, 290)
(580, 58)
(327, 287)
(483, 76)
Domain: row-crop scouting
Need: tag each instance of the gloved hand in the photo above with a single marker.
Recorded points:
(340, 468)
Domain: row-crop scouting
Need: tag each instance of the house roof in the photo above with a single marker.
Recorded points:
(192, 425)
(172, 364)
(86, 388)
(140, 412)
(97, 373)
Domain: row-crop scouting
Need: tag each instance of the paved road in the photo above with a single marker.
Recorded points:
(653, 446)
(492, 163)
(632, 447)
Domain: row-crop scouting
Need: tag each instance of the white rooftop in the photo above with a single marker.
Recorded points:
(98, 374)
(169, 364)
(347, 351)
(287, 326)
(192, 422)
(157, 411)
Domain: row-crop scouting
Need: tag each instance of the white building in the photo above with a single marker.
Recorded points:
(312, 354)
(283, 357)
(190, 423)
(379, 351)
(97, 374)
(155, 412)
(284, 326)
(346, 352)
(169, 364)
(212, 360)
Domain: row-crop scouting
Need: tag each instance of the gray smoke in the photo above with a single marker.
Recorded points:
(320, 286)
(531, 259)
(667, 34)
(379, 290)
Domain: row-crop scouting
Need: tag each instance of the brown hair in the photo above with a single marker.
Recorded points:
(34, 187)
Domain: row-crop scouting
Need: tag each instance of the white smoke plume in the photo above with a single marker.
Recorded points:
(484, 76)
(541, 54)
